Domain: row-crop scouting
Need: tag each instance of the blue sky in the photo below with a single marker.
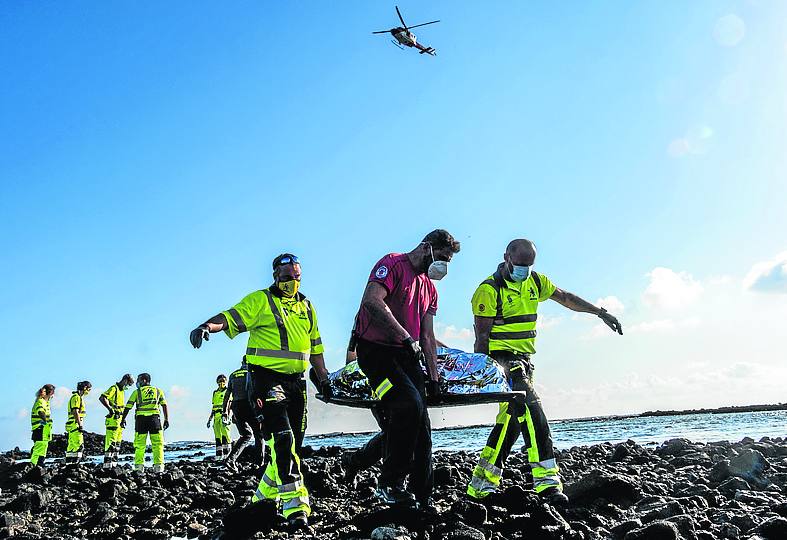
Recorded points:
(156, 158)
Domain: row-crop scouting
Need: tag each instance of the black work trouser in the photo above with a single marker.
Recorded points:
(406, 428)
(520, 369)
(248, 426)
(281, 400)
(374, 449)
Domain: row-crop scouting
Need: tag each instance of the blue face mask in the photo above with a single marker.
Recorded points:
(519, 273)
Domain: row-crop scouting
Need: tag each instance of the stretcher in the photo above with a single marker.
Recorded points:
(465, 379)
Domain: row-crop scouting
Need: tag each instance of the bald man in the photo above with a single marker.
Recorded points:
(505, 308)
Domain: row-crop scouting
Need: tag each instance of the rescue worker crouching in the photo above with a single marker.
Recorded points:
(505, 307)
(283, 339)
(147, 421)
(236, 401)
(217, 417)
(41, 424)
(75, 424)
(114, 399)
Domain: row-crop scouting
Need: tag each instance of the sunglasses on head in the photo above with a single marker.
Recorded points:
(289, 259)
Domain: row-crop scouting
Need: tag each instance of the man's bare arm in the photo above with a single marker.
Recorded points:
(429, 346)
(483, 327)
(105, 402)
(217, 323)
(225, 405)
(575, 303)
(374, 302)
(318, 363)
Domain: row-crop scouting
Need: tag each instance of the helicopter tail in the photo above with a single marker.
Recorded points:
(428, 50)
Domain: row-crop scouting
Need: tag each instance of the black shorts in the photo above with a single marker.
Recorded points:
(38, 434)
(147, 424)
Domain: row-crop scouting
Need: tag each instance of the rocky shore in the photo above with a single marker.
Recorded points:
(623, 491)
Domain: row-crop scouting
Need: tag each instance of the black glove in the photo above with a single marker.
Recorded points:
(198, 334)
(123, 423)
(81, 429)
(433, 388)
(414, 349)
(110, 415)
(611, 321)
(166, 424)
(326, 390)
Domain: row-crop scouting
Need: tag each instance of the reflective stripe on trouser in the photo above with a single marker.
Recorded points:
(280, 403)
(511, 419)
(221, 433)
(76, 443)
(112, 439)
(141, 444)
(294, 496)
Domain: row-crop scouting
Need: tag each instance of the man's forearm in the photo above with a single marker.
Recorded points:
(166, 413)
(430, 352)
(217, 323)
(381, 315)
(318, 363)
(481, 344)
(574, 302)
(106, 404)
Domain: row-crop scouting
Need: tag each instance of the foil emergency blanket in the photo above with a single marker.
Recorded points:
(461, 373)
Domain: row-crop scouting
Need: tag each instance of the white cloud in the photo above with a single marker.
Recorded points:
(664, 325)
(695, 141)
(671, 290)
(459, 338)
(61, 397)
(546, 321)
(729, 30)
(768, 276)
(179, 392)
(611, 304)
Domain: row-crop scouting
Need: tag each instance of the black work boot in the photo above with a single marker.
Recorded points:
(554, 496)
(396, 496)
(298, 520)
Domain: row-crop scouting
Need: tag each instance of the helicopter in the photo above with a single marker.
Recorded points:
(404, 38)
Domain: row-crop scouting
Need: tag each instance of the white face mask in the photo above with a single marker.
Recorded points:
(519, 273)
(438, 269)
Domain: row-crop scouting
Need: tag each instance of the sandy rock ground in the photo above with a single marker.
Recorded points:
(624, 491)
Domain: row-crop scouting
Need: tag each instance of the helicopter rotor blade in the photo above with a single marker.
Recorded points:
(382, 32)
(424, 24)
(400, 17)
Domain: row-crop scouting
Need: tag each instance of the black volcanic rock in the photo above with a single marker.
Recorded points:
(680, 489)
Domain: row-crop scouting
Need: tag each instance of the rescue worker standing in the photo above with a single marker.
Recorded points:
(41, 424)
(114, 399)
(395, 335)
(75, 425)
(283, 339)
(147, 421)
(505, 309)
(220, 430)
(236, 399)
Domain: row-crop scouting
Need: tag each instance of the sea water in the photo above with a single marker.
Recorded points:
(648, 431)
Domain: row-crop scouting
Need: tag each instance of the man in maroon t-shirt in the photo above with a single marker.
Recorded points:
(395, 335)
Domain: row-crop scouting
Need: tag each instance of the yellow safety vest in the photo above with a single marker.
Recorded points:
(40, 406)
(514, 307)
(76, 402)
(115, 397)
(147, 399)
(283, 332)
(218, 400)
